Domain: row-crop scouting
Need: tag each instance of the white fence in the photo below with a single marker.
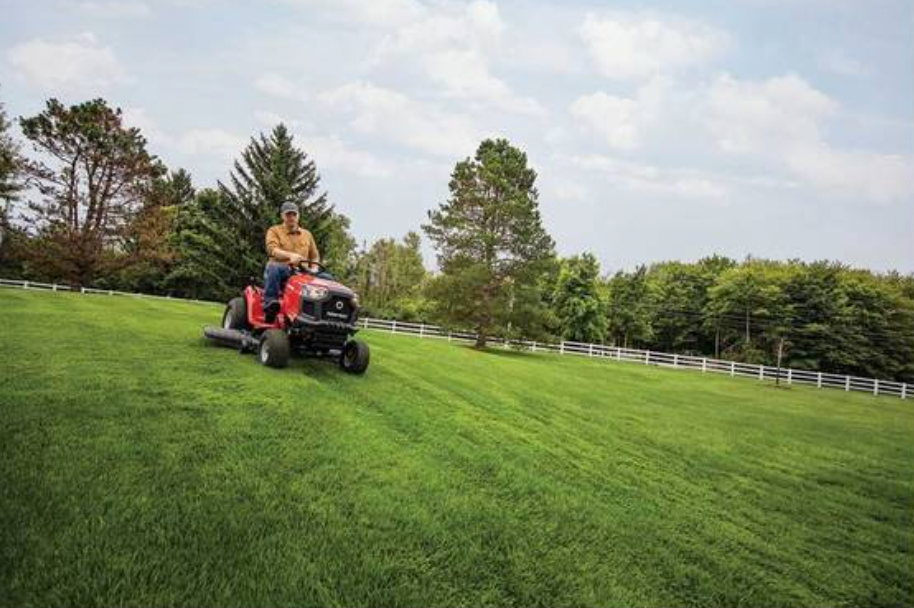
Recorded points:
(582, 349)
(649, 357)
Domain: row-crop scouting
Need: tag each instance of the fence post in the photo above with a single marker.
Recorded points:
(562, 347)
(761, 372)
(534, 346)
(819, 380)
(876, 387)
(590, 350)
(421, 330)
(732, 368)
(25, 284)
(618, 353)
(789, 375)
(449, 335)
(904, 390)
(647, 357)
(675, 360)
(55, 287)
(365, 322)
(110, 292)
(847, 383)
(393, 327)
(704, 364)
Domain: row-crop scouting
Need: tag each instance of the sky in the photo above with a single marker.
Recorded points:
(659, 130)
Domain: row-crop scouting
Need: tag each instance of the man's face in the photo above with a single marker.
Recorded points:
(290, 219)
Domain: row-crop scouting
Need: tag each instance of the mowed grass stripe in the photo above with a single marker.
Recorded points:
(141, 466)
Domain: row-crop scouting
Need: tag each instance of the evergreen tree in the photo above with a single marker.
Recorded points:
(10, 164)
(578, 303)
(271, 171)
(201, 241)
(493, 251)
(11, 185)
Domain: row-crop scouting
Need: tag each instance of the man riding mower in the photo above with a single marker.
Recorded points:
(301, 309)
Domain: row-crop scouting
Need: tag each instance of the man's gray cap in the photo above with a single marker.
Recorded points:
(289, 206)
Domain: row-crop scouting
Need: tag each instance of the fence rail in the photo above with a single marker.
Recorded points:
(874, 386)
(787, 375)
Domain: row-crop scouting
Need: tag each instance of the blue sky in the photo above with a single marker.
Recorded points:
(665, 130)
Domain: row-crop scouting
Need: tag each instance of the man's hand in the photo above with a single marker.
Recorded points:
(295, 259)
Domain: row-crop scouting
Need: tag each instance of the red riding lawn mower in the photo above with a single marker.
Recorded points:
(317, 317)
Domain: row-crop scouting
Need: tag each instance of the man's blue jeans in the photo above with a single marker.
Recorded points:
(275, 276)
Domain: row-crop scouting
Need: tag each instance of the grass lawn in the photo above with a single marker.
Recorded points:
(141, 466)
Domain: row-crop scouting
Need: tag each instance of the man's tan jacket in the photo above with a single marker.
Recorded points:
(297, 241)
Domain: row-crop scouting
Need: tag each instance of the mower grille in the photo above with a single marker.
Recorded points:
(337, 308)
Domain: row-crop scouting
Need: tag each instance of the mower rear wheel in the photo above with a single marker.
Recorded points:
(236, 315)
(274, 348)
(355, 356)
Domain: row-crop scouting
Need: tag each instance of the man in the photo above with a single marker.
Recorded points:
(288, 245)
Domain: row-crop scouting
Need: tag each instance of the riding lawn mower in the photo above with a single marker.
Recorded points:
(317, 317)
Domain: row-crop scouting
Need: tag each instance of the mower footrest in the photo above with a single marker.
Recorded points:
(234, 338)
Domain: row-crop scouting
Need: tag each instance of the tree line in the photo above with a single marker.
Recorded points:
(85, 202)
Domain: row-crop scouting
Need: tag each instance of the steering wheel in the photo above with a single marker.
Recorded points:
(305, 266)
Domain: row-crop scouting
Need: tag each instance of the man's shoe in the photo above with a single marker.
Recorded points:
(270, 311)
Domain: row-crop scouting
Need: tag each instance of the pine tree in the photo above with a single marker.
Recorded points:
(493, 251)
(10, 164)
(271, 171)
(201, 269)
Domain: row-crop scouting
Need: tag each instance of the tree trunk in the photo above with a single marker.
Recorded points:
(480, 339)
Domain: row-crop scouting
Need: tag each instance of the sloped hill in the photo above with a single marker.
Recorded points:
(141, 466)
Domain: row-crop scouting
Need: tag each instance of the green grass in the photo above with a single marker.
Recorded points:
(141, 466)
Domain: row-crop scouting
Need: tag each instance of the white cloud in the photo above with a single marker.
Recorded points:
(396, 117)
(465, 74)
(858, 173)
(780, 121)
(837, 62)
(271, 119)
(628, 46)
(112, 8)
(649, 179)
(451, 45)
(328, 150)
(140, 118)
(333, 152)
(476, 25)
(748, 116)
(279, 86)
(213, 142)
(382, 13)
(80, 63)
(612, 117)
(621, 121)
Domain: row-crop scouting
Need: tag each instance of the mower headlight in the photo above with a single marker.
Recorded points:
(314, 292)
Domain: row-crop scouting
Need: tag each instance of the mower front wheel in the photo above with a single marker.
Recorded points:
(236, 315)
(355, 356)
(274, 348)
